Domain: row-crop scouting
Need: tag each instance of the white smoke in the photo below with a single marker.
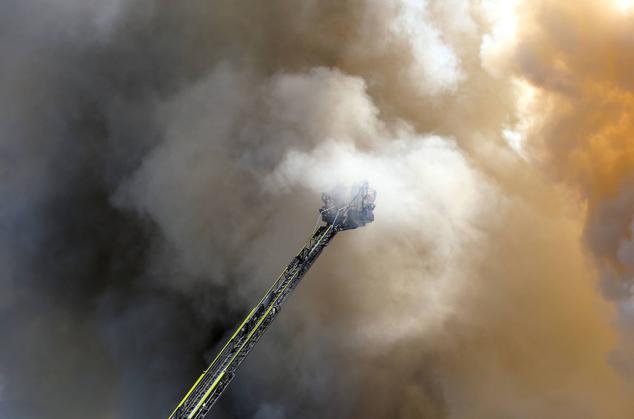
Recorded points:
(435, 67)
(427, 189)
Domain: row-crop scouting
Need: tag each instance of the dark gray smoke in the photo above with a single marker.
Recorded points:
(86, 332)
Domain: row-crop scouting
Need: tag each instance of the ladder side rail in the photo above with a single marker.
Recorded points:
(228, 360)
(323, 235)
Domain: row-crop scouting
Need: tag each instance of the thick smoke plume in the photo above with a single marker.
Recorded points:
(161, 161)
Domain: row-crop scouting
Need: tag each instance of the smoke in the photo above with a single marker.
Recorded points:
(161, 162)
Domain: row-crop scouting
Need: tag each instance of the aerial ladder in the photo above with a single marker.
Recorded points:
(341, 210)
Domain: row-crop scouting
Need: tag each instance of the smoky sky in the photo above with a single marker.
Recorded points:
(85, 334)
(161, 161)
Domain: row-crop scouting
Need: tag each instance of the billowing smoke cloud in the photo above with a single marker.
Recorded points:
(161, 161)
(577, 58)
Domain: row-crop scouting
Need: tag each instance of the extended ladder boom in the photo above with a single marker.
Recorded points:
(211, 383)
